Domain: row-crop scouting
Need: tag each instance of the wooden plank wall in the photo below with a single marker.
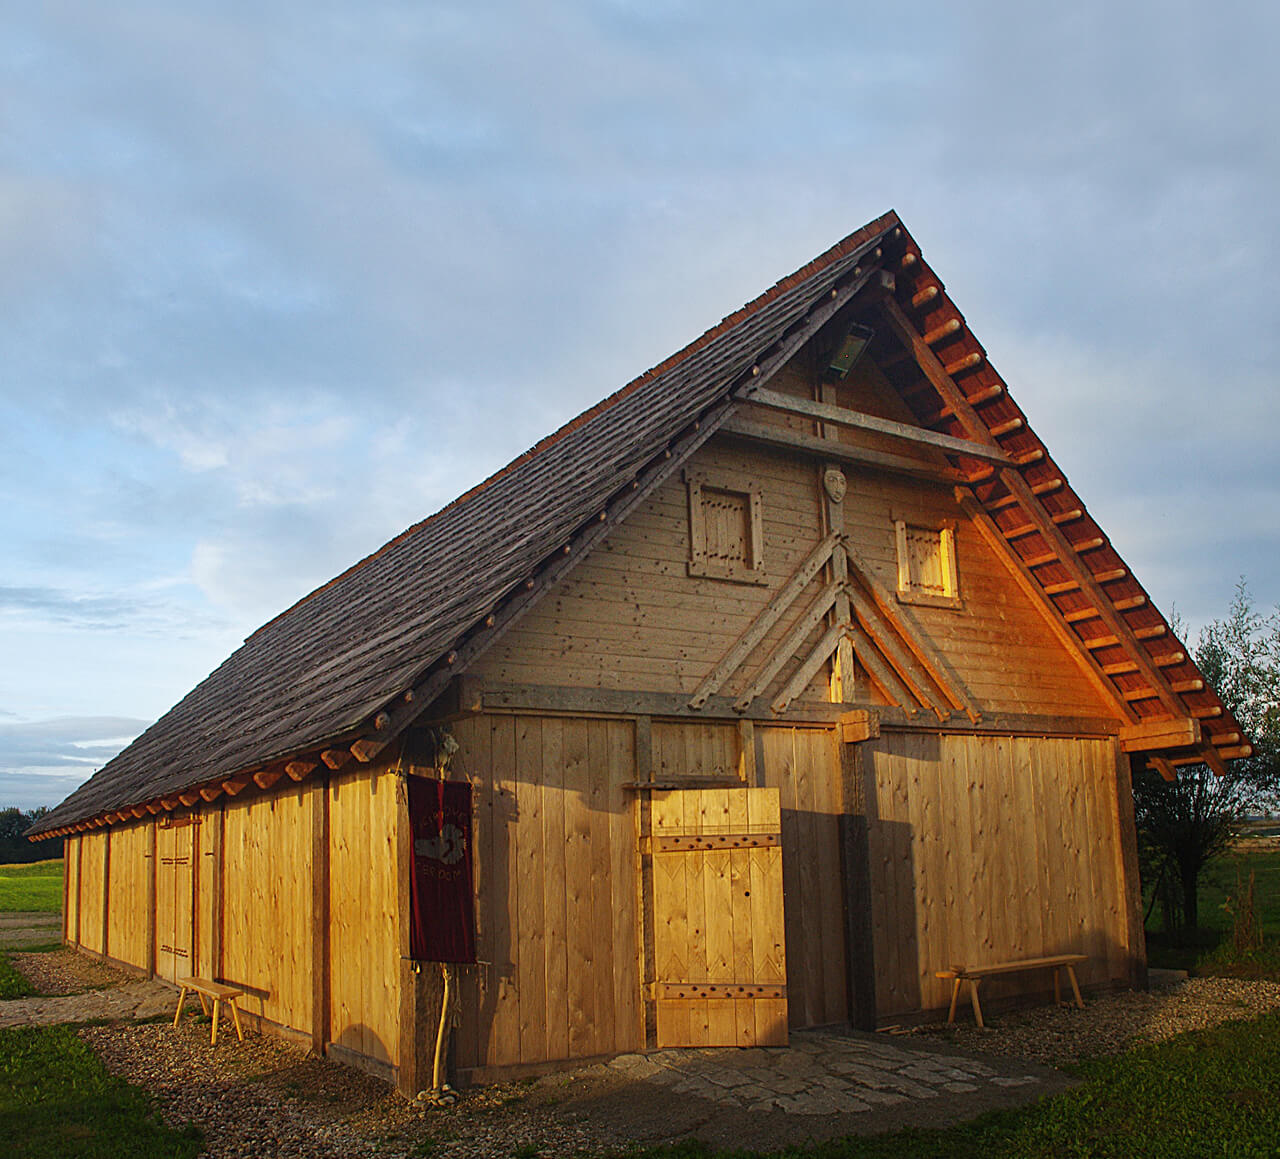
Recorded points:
(696, 750)
(988, 849)
(127, 893)
(364, 932)
(267, 886)
(93, 859)
(556, 882)
(71, 849)
(803, 764)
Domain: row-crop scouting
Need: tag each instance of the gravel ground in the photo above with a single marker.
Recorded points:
(1111, 1023)
(64, 972)
(266, 1097)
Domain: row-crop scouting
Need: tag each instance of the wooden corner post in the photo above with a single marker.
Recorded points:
(1130, 882)
(421, 983)
(320, 988)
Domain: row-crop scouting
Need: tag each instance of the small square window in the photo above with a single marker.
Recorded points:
(927, 565)
(725, 530)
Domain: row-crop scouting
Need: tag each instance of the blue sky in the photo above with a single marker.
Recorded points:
(277, 280)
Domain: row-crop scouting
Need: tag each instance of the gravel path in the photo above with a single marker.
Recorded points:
(64, 972)
(29, 929)
(1111, 1023)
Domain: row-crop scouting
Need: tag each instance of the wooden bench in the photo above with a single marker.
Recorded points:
(974, 975)
(210, 991)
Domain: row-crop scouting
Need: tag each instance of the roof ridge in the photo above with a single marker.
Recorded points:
(844, 246)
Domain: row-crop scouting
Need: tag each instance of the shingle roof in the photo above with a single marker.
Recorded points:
(337, 657)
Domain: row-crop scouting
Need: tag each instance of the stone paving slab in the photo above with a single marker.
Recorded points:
(132, 1000)
(819, 1074)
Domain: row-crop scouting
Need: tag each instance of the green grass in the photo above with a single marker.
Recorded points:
(1209, 950)
(1215, 1092)
(57, 1099)
(1219, 880)
(35, 886)
(12, 984)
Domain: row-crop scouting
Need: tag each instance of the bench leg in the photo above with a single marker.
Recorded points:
(235, 1017)
(955, 994)
(977, 1006)
(213, 1038)
(177, 1014)
(204, 1004)
(1075, 989)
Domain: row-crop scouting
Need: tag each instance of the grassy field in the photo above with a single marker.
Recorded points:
(35, 886)
(1214, 1092)
(57, 1099)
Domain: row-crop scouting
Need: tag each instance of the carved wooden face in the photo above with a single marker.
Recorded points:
(836, 484)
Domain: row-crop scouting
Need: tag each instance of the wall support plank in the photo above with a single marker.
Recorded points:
(320, 913)
(1131, 884)
(414, 1071)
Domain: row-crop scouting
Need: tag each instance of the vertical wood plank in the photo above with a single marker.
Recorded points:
(319, 941)
(530, 930)
(624, 870)
(555, 913)
(578, 910)
(599, 755)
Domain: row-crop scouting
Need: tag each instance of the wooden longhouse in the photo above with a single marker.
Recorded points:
(787, 675)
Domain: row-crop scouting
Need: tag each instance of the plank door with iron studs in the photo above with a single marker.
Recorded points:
(174, 881)
(719, 956)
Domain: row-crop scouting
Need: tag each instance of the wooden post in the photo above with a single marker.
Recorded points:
(79, 883)
(217, 892)
(855, 868)
(320, 913)
(106, 886)
(1131, 883)
(419, 981)
(66, 892)
(644, 824)
(150, 858)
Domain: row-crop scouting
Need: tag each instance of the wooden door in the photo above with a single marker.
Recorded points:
(174, 849)
(719, 954)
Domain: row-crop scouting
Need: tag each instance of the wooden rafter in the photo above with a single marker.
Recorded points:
(1024, 578)
(854, 420)
(1039, 519)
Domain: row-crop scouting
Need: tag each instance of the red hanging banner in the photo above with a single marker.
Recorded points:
(444, 924)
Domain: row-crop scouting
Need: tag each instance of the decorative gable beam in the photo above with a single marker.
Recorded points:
(854, 420)
(833, 449)
(787, 649)
(916, 641)
(773, 611)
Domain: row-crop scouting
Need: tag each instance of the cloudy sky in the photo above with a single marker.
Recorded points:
(278, 279)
